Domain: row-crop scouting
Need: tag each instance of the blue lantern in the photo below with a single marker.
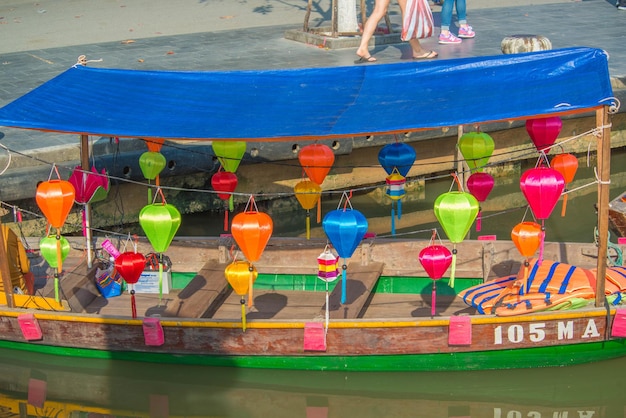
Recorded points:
(397, 155)
(345, 229)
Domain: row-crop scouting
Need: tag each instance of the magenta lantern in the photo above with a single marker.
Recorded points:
(544, 131)
(435, 259)
(480, 185)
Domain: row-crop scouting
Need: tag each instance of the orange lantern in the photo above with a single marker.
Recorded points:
(252, 230)
(316, 160)
(55, 199)
(567, 165)
(241, 275)
(527, 237)
(308, 194)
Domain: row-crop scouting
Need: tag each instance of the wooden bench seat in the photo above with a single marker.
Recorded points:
(360, 282)
(203, 295)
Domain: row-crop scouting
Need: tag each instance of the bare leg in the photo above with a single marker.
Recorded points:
(380, 8)
(418, 51)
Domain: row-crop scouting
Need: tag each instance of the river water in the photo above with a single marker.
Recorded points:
(52, 386)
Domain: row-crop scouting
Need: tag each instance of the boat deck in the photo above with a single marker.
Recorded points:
(208, 295)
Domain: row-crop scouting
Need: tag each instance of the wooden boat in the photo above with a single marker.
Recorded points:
(46, 385)
(372, 330)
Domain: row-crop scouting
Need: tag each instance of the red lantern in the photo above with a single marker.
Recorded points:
(567, 165)
(226, 183)
(544, 131)
(55, 199)
(130, 265)
(480, 185)
(316, 160)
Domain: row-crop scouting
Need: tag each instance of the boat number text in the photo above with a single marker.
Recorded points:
(536, 332)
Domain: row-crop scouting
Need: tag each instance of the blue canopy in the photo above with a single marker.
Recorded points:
(314, 103)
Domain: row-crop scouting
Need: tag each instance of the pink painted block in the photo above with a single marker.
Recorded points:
(37, 390)
(486, 238)
(30, 327)
(316, 412)
(619, 324)
(153, 332)
(460, 330)
(314, 336)
(621, 240)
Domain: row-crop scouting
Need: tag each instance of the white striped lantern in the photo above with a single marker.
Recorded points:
(395, 191)
(328, 271)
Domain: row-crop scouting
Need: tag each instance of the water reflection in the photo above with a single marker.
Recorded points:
(47, 386)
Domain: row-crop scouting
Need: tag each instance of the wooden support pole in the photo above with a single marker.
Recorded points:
(84, 164)
(4, 269)
(604, 179)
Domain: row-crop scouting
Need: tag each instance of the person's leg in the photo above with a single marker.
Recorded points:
(380, 8)
(445, 37)
(465, 30)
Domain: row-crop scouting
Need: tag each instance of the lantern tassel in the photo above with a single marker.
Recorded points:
(434, 299)
(399, 209)
(478, 221)
(149, 194)
(243, 314)
(319, 209)
(393, 221)
(452, 268)
(133, 304)
(308, 225)
(226, 219)
(83, 212)
(564, 205)
(327, 307)
(160, 277)
(231, 203)
(56, 286)
(343, 283)
(250, 285)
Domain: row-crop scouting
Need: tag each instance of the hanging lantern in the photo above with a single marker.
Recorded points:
(567, 165)
(154, 144)
(456, 211)
(130, 265)
(252, 230)
(345, 229)
(435, 259)
(55, 199)
(480, 185)
(395, 191)
(241, 275)
(48, 249)
(229, 153)
(151, 164)
(55, 250)
(89, 187)
(399, 156)
(527, 237)
(542, 187)
(159, 222)
(316, 160)
(543, 132)
(328, 271)
(225, 183)
(476, 148)
(308, 194)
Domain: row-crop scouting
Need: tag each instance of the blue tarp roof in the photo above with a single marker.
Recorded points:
(313, 103)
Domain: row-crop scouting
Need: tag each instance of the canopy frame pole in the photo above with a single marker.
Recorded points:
(84, 164)
(604, 180)
(4, 269)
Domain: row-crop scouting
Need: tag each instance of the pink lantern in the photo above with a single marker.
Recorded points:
(435, 259)
(480, 185)
(544, 131)
(542, 187)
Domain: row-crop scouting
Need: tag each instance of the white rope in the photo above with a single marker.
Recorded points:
(595, 172)
(8, 160)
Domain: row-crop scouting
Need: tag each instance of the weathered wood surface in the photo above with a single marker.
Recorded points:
(360, 281)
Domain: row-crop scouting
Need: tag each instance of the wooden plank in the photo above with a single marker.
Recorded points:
(361, 279)
(203, 295)
(76, 284)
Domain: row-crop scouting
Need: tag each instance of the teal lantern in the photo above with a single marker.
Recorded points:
(456, 211)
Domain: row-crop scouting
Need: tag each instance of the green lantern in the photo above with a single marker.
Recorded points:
(229, 153)
(476, 148)
(160, 223)
(456, 211)
(54, 249)
(151, 164)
